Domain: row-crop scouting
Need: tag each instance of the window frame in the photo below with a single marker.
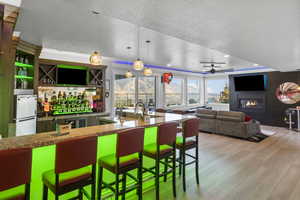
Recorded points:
(183, 96)
(199, 91)
(206, 89)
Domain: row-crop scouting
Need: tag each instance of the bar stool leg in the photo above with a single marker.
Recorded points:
(27, 191)
(140, 178)
(157, 178)
(166, 170)
(117, 187)
(174, 171)
(180, 161)
(124, 186)
(183, 169)
(100, 180)
(197, 161)
(45, 192)
(80, 194)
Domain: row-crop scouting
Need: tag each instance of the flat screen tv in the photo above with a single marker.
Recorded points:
(67, 76)
(250, 83)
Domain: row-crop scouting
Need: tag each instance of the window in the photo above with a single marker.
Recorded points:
(217, 90)
(146, 90)
(124, 89)
(174, 92)
(193, 91)
(128, 91)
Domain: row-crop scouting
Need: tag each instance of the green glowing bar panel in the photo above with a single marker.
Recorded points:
(18, 64)
(43, 159)
(72, 67)
(23, 77)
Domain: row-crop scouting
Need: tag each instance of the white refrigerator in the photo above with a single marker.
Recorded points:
(26, 109)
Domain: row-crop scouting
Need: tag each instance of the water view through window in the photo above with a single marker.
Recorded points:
(130, 90)
(193, 91)
(217, 91)
(174, 92)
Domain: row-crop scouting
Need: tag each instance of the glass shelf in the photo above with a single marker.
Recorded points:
(24, 77)
(18, 64)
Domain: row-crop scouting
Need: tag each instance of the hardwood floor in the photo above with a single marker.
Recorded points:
(234, 169)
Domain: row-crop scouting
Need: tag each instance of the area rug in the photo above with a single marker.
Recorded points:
(261, 136)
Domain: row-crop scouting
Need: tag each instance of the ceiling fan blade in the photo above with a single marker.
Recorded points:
(212, 62)
(226, 70)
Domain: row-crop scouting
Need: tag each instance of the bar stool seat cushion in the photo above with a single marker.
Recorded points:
(67, 177)
(16, 193)
(110, 162)
(188, 143)
(151, 150)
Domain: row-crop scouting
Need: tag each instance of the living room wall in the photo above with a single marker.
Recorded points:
(274, 111)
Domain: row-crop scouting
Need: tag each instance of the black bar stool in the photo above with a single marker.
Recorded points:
(15, 170)
(161, 152)
(75, 168)
(128, 157)
(188, 140)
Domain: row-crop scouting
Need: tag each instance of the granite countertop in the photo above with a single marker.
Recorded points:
(49, 138)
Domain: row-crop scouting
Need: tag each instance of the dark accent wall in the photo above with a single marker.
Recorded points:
(274, 110)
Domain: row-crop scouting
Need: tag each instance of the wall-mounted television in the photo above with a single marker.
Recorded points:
(250, 83)
(68, 76)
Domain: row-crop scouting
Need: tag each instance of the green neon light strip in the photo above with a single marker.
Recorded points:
(23, 77)
(72, 67)
(77, 112)
(23, 65)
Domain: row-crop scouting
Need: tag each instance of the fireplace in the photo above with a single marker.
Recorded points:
(251, 103)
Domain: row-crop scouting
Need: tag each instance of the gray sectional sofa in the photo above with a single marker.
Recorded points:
(227, 123)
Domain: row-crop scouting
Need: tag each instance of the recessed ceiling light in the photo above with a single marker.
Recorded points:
(95, 12)
(169, 65)
(255, 64)
(226, 56)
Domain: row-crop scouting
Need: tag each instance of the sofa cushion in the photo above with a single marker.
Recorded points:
(208, 114)
(231, 116)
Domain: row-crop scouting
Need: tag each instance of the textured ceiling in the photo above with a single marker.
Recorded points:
(266, 32)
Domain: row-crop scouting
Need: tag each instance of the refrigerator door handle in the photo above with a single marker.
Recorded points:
(26, 119)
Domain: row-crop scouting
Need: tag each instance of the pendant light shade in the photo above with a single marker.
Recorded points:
(147, 72)
(128, 74)
(138, 65)
(96, 59)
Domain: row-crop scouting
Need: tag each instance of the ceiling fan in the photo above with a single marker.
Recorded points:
(214, 66)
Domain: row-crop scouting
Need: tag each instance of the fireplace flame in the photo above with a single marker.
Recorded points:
(251, 103)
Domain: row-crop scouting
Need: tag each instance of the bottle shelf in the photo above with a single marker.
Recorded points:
(23, 77)
(18, 64)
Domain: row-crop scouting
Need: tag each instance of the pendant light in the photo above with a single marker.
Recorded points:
(147, 70)
(95, 58)
(128, 74)
(138, 63)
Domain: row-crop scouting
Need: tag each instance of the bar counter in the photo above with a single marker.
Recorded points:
(50, 138)
(44, 148)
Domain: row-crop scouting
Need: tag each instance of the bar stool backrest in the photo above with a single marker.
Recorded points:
(130, 141)
(180, 112)
(190, 127)
(15, 168)
(167, 133)
(75, 154)
(160, 110)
